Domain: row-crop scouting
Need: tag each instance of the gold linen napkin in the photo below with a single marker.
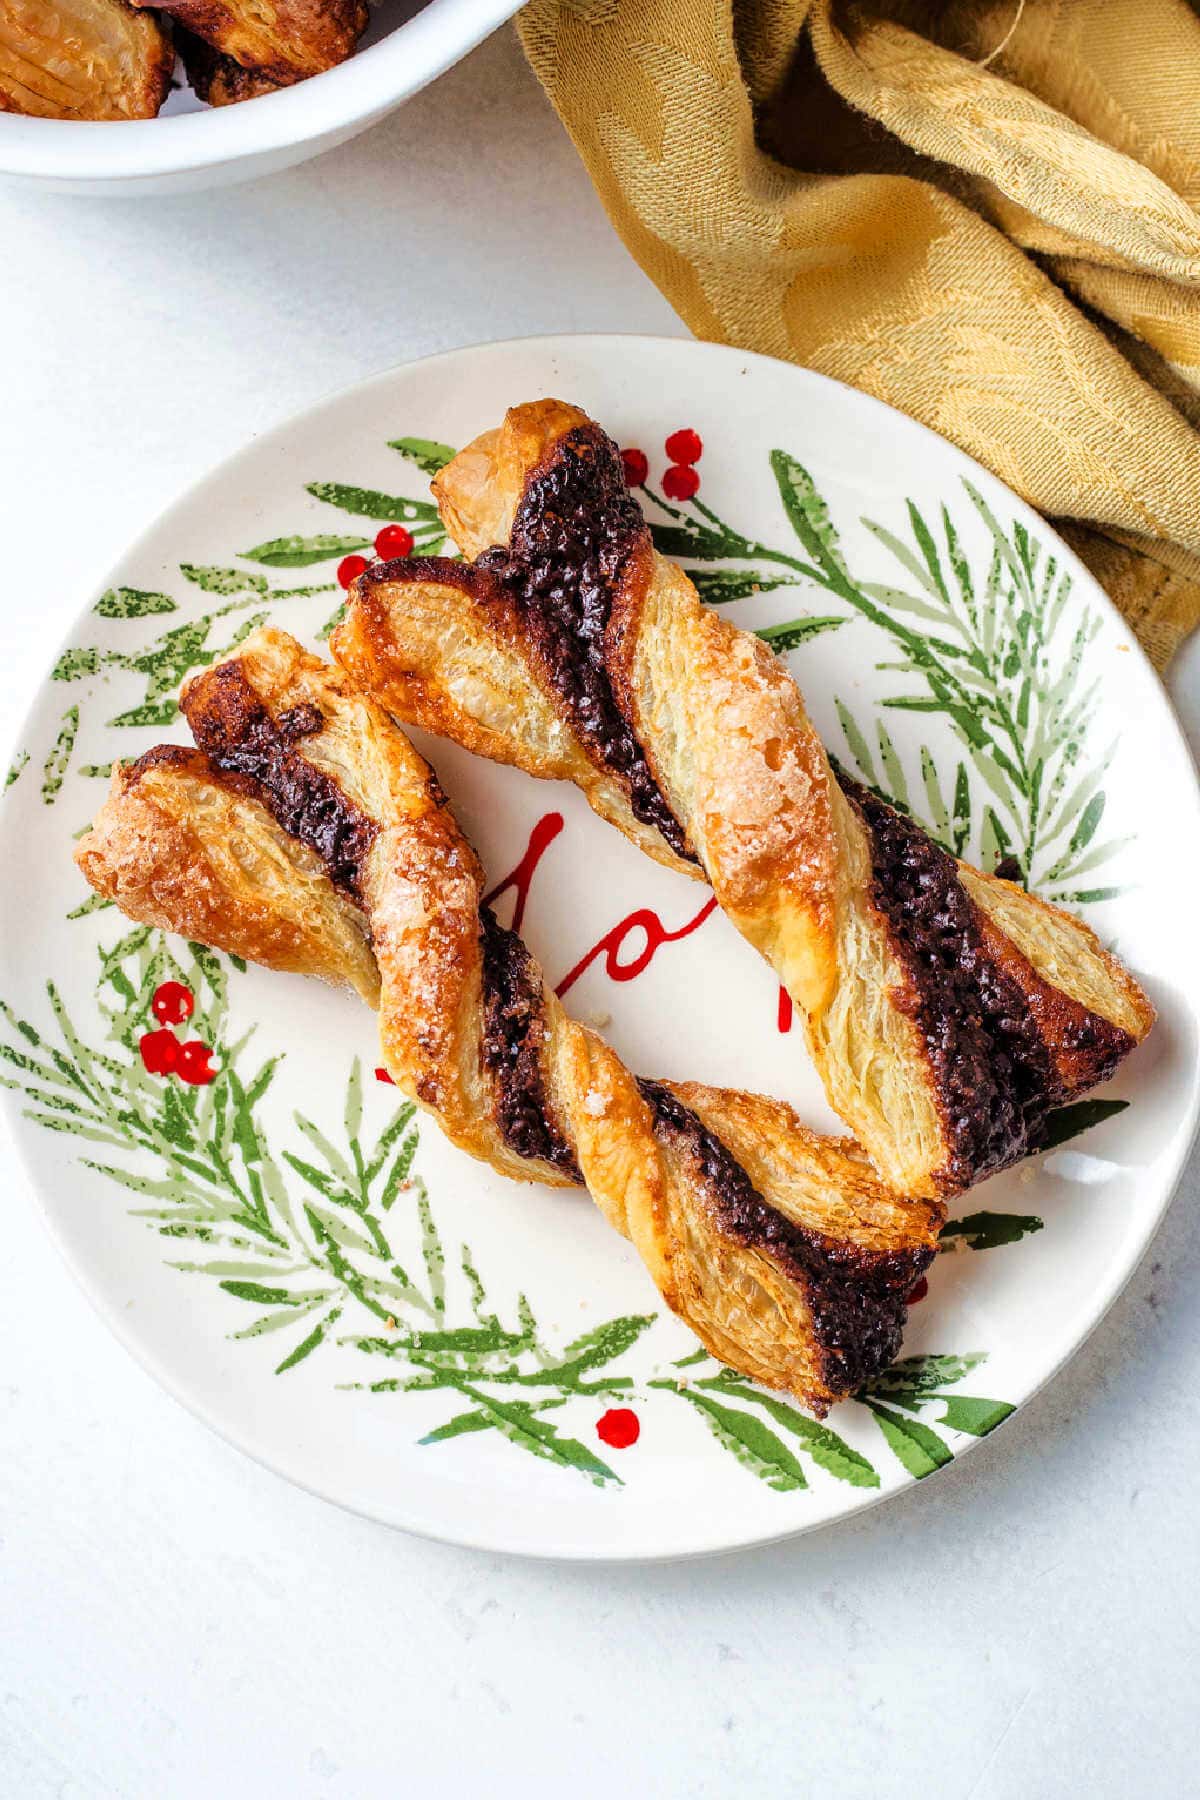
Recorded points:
(986, 214)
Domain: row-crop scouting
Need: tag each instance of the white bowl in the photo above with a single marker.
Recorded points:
(183, 150)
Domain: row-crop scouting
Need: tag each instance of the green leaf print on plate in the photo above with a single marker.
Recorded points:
(1069, 1121)
(920, 1450)
(827, 1449)
(59, 757)
(988, 1230)
(913, 1383)
(426, 453)
(720, 587)
(917, 1382)
(132, 603)
(369, 503)
(983, 649)
(324, 1263)
(299, 552)
(754, 1444)
(795, 632)
(306, 1263)
(216, 580)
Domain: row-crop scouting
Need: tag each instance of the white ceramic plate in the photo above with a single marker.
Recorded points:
(256, 1280)
(406, 46)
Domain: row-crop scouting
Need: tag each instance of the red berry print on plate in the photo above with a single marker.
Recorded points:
(637, 467)
(919, 1292)
(681, 482)
(194, 1064)
(382, 1075)
(160, 1052)
(349, 569)
(172, 1003)
(684, 447)
(619, 1427)
(393, 541)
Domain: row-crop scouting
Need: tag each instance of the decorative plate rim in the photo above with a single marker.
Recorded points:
(418, 1522)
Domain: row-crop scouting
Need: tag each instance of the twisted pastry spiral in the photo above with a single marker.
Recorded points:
(946, 1010)
(306, 833)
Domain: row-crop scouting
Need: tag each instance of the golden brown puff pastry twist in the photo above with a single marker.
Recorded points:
(82, 59)
(947, 1011)
(281, 40)
(307, 833)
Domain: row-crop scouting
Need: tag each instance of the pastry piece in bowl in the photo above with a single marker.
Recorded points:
(82, 59)
(279, 40)
(216, 78)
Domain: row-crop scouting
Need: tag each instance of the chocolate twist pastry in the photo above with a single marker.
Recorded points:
(275, 41)
(306, 833)
(947, 1011)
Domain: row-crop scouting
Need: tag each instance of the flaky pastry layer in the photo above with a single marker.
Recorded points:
(280, 40)
(82, 59)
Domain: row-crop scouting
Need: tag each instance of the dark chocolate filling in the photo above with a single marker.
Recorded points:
(574, 531)
(1104, 1045)
(994, 1075)
(857, 1297)
(239, 736)
(513, 1038)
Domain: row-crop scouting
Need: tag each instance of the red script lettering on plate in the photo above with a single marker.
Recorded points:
(610, 944)
(609, 947)
(540, 840)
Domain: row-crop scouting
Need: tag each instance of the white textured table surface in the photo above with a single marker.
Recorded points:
(178, 1622)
